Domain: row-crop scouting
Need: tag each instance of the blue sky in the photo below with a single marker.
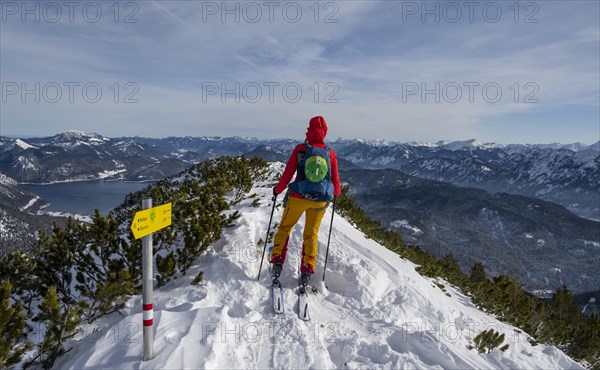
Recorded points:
(364, 65)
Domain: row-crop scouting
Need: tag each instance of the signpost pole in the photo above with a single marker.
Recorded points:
(147, 257)
(144, 223)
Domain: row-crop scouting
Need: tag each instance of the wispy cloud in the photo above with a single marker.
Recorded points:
(368, 56)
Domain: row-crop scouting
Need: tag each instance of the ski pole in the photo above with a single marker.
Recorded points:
(329, 238)
(267, 237)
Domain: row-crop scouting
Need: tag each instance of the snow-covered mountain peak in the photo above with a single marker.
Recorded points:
(377, 142)
(77, 135)
(574, 147)
(422, 143)
(459, 145)
(374, 311)
(74, 138)
(595, 146)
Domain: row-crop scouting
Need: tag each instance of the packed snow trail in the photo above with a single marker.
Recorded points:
(375, 311)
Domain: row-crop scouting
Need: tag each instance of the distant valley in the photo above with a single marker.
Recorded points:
(541, 243)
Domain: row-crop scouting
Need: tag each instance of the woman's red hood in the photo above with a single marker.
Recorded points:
(317, 130)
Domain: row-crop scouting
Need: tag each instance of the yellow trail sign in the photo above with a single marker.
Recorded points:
(150, 220)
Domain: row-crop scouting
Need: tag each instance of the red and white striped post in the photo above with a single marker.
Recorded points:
(148, 320)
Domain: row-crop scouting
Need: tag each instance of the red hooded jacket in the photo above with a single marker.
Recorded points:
(315, 136)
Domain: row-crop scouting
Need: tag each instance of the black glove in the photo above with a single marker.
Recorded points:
(275, 192)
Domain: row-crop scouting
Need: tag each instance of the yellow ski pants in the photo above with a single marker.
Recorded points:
(294, 209)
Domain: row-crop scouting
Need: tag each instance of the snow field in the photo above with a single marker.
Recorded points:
(373, 311)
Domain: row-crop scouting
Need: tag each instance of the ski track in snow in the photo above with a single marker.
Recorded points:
(375, 311)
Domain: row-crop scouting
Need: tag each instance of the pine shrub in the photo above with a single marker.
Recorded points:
(61, 323)
(488, 340)
(12, 327)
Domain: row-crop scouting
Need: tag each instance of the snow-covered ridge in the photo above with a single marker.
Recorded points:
(375, 311)
(459, 145)
(23, 144)
(31, 203)
(74, 135)
(377, 142)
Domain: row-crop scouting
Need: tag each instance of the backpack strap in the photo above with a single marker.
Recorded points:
(302, 153)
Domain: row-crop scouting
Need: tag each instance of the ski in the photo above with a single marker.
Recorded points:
(277, 294)
(303, 313)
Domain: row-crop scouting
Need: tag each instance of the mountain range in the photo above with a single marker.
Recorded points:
(485, 202)
(565, 174)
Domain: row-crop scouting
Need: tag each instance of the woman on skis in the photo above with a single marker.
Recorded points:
(317, 182)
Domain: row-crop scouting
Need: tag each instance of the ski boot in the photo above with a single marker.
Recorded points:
(304, 279)
(275, 272)
(276, 289)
